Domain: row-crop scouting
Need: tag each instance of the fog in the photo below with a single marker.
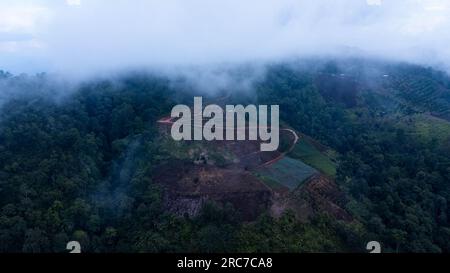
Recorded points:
(90, 37)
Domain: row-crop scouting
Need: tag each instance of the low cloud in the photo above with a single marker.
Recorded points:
(88, 37)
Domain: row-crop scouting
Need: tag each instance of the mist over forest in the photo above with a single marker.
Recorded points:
(86, 155)
(82, 38)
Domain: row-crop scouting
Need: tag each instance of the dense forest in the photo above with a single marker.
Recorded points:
(76, 163)
(398, 185)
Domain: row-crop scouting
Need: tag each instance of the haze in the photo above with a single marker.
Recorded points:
(91, 36)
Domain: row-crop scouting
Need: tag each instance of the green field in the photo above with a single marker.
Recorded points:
(306, 152)
(287, 172)
(426, 127)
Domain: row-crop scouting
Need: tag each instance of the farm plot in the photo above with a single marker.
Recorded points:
(287, 172)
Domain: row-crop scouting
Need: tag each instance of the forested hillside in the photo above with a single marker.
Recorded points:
(79, 163)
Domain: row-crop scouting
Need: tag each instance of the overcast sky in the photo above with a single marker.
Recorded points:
(85, 36)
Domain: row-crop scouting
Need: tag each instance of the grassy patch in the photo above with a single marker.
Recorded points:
(191, 150)
(305, 151)
(426, 127)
